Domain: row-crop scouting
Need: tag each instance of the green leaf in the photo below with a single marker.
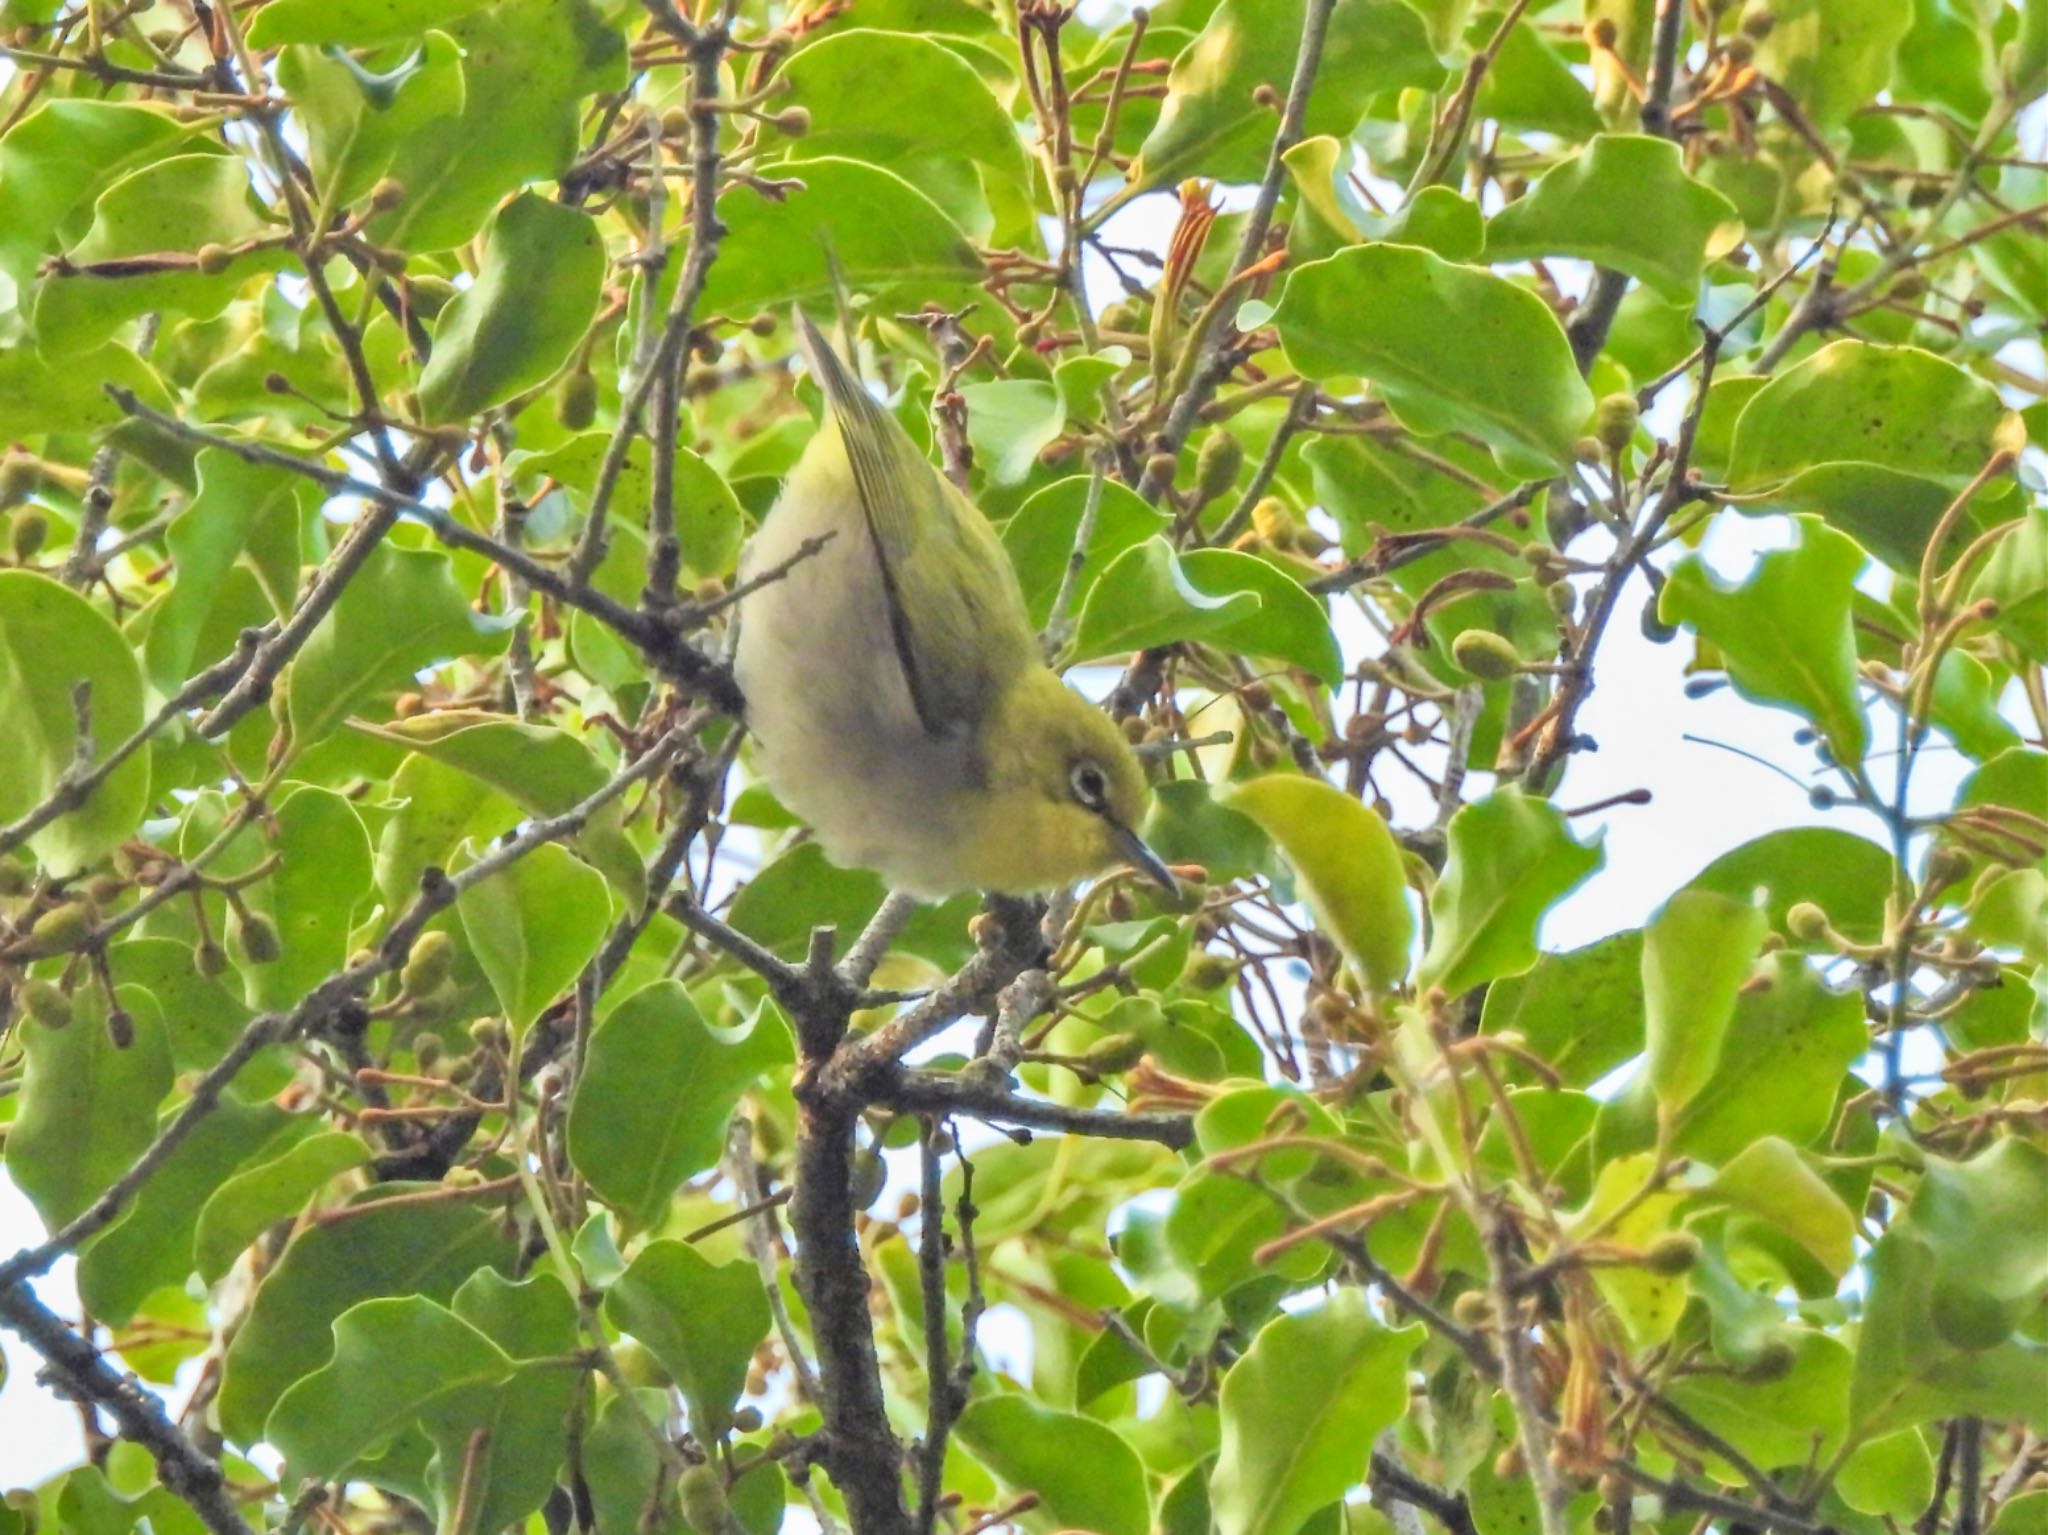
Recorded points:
(421, 1251)
(701, 1319)
(1891, 1475)
(1625, 202)
(1039, 538)
(352, 23)
(358, 652)
(150, 1246)
(1452, 348)
(1769, 1179)
(543, 770)
(526, 67)
(1349, 865)
(1782, 1059)
(355, 122)
(1776, 1421)
(651, 1106)
(1785, 633)
(1847, 876)
(1530, 86)
(1301, 1410)
(534, 926)
(883, 232)
(393, 1359)
(52, 641)
(1581, 1011)
(709, 522)
(168, 208)
(311, 898)
(202, 1017)
(1152, 595)
(241, 509)
(1697, 952)
(1833, 56)
(2016, 578)
(1877, 439)
(88, 1109)
(57, 160)
(1210, 124)
(536, 289)
(1086, 1475)
(69, 395)
(1009, 420)
(1512, 858)
(802, 890)
(1908, 1372)
(913, 106)
(241, 1208)
(1648, 1303)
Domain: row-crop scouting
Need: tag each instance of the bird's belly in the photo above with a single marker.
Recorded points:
(837, 735)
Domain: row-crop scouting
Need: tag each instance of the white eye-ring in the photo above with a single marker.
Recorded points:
(1090, 787)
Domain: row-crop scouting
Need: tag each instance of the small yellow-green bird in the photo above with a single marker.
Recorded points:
(894, 686)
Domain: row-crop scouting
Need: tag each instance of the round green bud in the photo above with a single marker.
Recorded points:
(1217, 465)
(1486, 655)
(387, 194)
(870, 1176)
(255, 935)
(212, 260)
(1615, 419)
(120, 1027)
(1587, 450)
(1773, 1361)
(701, 1491)
(31, 528)
(1272, 521)
(20, 473)
(793, 122)
(46, 1003)
(1739, 49)
(1654, 628)
(1472, 1308)
(14, 879)
(1807, 922)
(209, 958)
(1945, 865)
(1757, 20)
(1206, 972)
(1121, 316)
(61, 927)
(1675, 1252)
(1603, 33)
(640, 1368)
(747, 1420)
(428, 963)
(1114, 1053)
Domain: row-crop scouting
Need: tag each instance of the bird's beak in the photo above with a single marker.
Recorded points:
(1143, 859)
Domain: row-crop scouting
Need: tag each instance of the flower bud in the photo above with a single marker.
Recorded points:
(387, 194)
(1217, 465)
(1807, 922)
(701, 1490)
(793, 122)
(31, 528)
(1272, 521)
(428, 963)
(209, 958)
(213, 260)
(46, 1003)
(255, 935)
(870, 1176)
(61, 927)
(1114, 1053)
(1675, 1252)
(1486, 655)
(1615, 419)
(576, 399)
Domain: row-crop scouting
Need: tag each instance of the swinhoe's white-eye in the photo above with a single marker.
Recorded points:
(895, 689)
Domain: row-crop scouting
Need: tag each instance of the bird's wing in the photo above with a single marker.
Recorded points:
(956, 616)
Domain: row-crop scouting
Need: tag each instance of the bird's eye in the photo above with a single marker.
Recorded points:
(1090, 787)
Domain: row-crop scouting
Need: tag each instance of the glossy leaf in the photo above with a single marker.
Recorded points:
(1877, 439)
(52, 643)
(1697, 952)
(1581, 1012)
(1039, 539)
(533, 927)
(1349, 865)
(702, 1320)
(1210, 124)
(1341, 1378)
(277, 1183)
(423, 1251)
(88, 1106)
(535, 292)
(1085, 1475)
(1625, 202)
(636, 1141)
(1784, 634)
(1452, 348)
(1512, 858)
